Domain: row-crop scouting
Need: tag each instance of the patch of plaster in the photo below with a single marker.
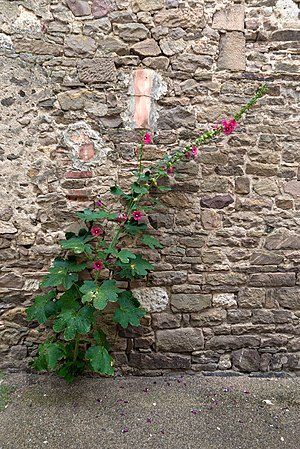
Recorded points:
(76, 136)
(289, 11)
(6, 44)
(27, 22)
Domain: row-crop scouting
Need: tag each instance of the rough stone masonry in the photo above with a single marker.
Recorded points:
(77, 78)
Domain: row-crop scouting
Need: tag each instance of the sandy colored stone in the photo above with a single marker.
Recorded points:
(79, 7)
(152, 299)
(226, 300)
(147, 5)
(97, 70)
(190, 302)
(132, 32)
(79, 45)
(266, 187)
(179, 340)
(230, 19)
(148, 47)
(232, 52)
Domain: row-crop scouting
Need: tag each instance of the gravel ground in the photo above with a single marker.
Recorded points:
(183, 412)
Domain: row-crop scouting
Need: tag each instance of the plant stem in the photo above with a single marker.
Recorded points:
(77, 341)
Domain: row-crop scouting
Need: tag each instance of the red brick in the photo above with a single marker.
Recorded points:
(78, 174)
(86, 152)
(76, 194)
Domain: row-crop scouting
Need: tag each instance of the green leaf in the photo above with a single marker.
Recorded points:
(133, 228)
(58, 276)
(77, 245)
(138, 189)
(55, 353)
(137, 268)
(100, 295)
(150, 241)
(62, 273)
(49, 354)
(100, 360)
(125, 256)
(100, 338)
(129, 312)
(164, 188)
(89, 215)
(68, 300)
(115, 190)
(141, 266)
(73, 322)
(42, 308)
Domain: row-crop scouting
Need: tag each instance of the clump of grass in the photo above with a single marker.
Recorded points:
(5, 393)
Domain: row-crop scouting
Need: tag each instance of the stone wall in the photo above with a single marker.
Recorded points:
(77, 78)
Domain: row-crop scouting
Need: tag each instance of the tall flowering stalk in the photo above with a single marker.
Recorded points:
(82, 282)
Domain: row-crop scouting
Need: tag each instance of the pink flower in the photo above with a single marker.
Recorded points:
(188, 155)
(137, 215)
(98, 265)
(147, 139)
(229, 127)
(100, 204)
(122, 217)
(96, 232)
(194, 151)
(170, 170)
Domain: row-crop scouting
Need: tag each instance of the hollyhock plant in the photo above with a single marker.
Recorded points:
(76, 295)
(96, 232)
(137, 215)
(147, 139)
(98, 265)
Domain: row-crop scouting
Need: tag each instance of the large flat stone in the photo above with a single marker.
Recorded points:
(232, 52)
(153, 361)
(246, 360)
(293, 188)
(283, 239)
(179, 340)
(101, 8)
(231, 18)
(217, 202)
(147, 5)
(147, 47)
(79, 45)
(183, 18)
(190, 302)
(272, 279)
(232, 342)
(97, 70)
(132, 32)
(79, 7)
(152, 299)
(288, 298)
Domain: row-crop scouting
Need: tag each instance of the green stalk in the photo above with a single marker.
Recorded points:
(77, 341)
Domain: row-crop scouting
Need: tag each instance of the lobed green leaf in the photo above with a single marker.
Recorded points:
(42, 308)
(150, 241)
(129, 311)
(74, 322)
(100, 360)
